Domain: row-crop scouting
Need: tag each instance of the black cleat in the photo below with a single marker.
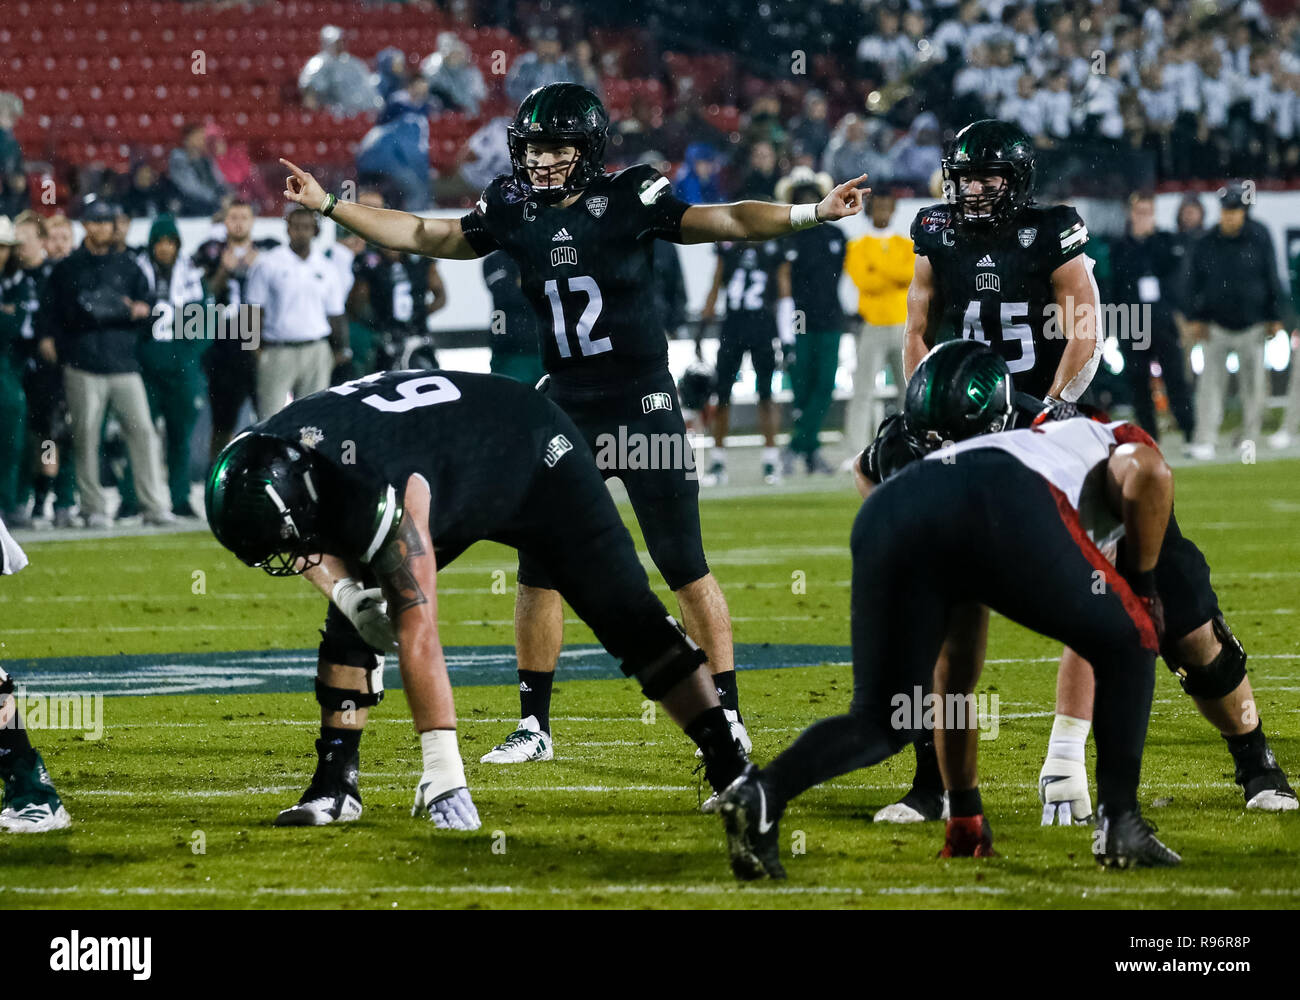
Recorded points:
(753, 838)
(332, 796)
(1127, 840)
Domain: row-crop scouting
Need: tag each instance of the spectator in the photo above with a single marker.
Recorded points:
(917, 155)
(13, 400)
(764, 123)
(1235, 305)
(697, 178)
(1143, 265)
(453, 78)
(887, 53)
(760, 180)
(301, 298)
(515, 349)
(1026, 108)
(47, 422)
(230, 369)
(121, 230)
(1290, 429)
(485, 155)
(390, 71)
(194, 174)
(545, 64)
(14, 196)
(149, 195)
(334, 81)
(811, 131)
(343, 253)
(880, 262)
(170, 364)
(854, 149)
(395, 153)
(955, 37)
(816, 263)
(235, 167)
(588, 72)
(96, 302)
(58, 237)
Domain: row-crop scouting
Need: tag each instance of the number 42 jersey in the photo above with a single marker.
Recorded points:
(996, 287)
(586, 268)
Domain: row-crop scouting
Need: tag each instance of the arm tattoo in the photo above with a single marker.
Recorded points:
(394, 567)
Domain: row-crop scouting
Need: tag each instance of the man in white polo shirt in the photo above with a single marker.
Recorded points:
(304, 332)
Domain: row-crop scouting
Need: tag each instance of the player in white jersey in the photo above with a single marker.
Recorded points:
(30, 803)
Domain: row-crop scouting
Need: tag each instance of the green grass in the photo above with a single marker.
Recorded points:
(612, 822)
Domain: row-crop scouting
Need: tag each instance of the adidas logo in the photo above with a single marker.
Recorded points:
(523, 686)
(561, 236)
(985, 261)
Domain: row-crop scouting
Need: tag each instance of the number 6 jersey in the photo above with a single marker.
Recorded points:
(586, 270)
(996, 286)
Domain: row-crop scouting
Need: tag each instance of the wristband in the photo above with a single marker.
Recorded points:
(327, 206)
(803, 217)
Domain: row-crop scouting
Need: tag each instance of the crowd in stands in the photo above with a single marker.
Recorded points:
(1172, 91)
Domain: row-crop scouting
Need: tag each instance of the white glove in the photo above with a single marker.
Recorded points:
(367, 611)
(1063, 790)
(453, 810)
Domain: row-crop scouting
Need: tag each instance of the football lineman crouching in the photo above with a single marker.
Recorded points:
(369, 487)
(1198, 646)
(1032, 503)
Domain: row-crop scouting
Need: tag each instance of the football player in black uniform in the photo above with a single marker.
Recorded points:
(369, 487)
(1036, 502)
(583, 242)
(397, 293)
(994, 266)
(1198, 646)
(754, 279)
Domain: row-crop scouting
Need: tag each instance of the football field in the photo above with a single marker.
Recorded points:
(205, 666)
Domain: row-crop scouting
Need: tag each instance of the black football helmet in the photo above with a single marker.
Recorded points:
(989, 146)
(960, 389)
(564, 113)
(263, 505)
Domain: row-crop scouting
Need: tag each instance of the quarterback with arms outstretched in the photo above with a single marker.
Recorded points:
(583, 240)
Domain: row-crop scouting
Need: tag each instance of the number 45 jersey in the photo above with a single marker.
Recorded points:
(586, 269)
(996, 287)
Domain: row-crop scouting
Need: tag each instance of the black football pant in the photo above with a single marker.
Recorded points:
(985, 529)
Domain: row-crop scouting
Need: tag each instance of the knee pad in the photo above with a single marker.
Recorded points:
(348, 652)
(675, 658)
(1222, 675)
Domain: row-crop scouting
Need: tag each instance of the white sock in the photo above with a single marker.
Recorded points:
(442, 763)
(1069, 736)
(771, 455)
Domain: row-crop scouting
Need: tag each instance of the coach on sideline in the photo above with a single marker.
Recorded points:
(301, 297)
(97, 304)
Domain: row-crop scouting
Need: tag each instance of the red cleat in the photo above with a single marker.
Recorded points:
(968, 837)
